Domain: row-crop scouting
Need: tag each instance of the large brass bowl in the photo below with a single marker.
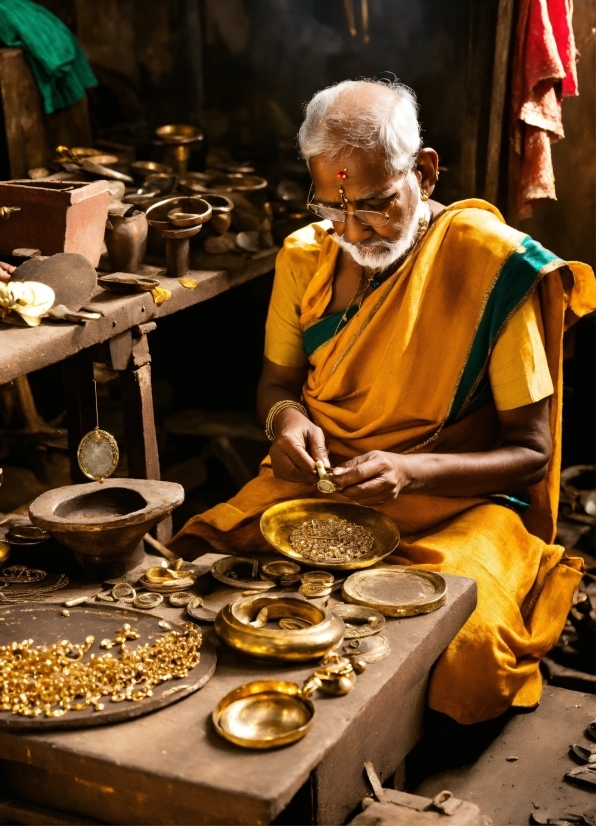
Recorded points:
(232, 626)
(264, 714)
(278, 522)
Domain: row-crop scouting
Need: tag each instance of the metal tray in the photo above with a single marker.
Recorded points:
(44, 623)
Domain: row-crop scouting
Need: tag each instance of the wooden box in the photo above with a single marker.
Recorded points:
(55, 216)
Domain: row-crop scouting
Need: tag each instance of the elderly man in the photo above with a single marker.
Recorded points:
(417, 349)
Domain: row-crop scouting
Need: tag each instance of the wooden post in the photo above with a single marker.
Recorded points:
(497, 104)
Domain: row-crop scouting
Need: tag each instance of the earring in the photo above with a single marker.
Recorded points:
(423, 195)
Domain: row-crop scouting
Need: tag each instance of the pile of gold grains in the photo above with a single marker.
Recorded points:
(331, 540)
(51, 680)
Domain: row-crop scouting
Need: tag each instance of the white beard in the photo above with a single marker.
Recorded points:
(378, 254)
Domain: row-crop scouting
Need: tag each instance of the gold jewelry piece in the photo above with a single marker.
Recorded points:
(50, 680)
(423, 195)
(97, 454)
(12, 595)
(325, 483)
(147, 601)
(20, 574)
(123, 592)
(105, 596)
(181, 599)
(277, 408)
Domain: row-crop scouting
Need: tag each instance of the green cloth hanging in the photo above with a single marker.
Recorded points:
(58, 63)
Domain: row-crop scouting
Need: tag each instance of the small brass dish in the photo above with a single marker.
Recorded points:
(264, 714)
(279, 569)
(27, 534)
(233, 627)
(278, 522)
(158, 214)
(359, 620)
(125, 283)
(177, 133)
(240, 572)
(142, 169)
(397, 590)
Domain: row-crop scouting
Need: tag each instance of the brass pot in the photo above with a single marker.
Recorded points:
(232, 626)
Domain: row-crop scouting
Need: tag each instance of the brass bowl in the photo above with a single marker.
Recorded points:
(157, 214)
(278, 522)
(273, 644)
(177, 133)
(264, 714)
(143, 168)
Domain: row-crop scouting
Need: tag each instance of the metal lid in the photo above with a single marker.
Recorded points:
(396, 591)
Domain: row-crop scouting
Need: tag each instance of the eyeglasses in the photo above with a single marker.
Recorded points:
(338, 215)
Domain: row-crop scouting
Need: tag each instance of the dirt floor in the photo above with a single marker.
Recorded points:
(508, 790)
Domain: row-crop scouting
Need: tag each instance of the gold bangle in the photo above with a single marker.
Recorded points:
(277, 408)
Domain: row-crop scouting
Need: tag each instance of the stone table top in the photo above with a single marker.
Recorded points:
(171, 766)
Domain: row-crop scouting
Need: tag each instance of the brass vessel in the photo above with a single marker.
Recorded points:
(278, 522)
(264, 714)
(233, 627)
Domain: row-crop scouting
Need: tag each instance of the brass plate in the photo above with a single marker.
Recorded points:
(278, 522)
(98, 454)
(396, 590)
(264, 714)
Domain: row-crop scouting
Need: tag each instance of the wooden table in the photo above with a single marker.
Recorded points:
(118, 340)
(171, 766)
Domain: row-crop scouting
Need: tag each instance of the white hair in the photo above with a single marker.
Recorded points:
(367, 114)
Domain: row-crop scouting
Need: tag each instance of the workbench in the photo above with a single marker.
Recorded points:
(118, 340)
(171, 766)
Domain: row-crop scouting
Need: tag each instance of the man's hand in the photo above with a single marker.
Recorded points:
(373, 478)
(298, 444)
(6, 271)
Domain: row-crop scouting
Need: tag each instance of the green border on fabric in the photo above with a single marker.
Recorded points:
(515, 282)
(324, 329)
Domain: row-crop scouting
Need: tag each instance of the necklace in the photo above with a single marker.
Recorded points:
(344, 315)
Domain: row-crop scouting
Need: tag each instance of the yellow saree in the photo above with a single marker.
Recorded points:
(409, 373)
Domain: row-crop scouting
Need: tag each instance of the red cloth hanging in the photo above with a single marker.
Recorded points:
(543, 74)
